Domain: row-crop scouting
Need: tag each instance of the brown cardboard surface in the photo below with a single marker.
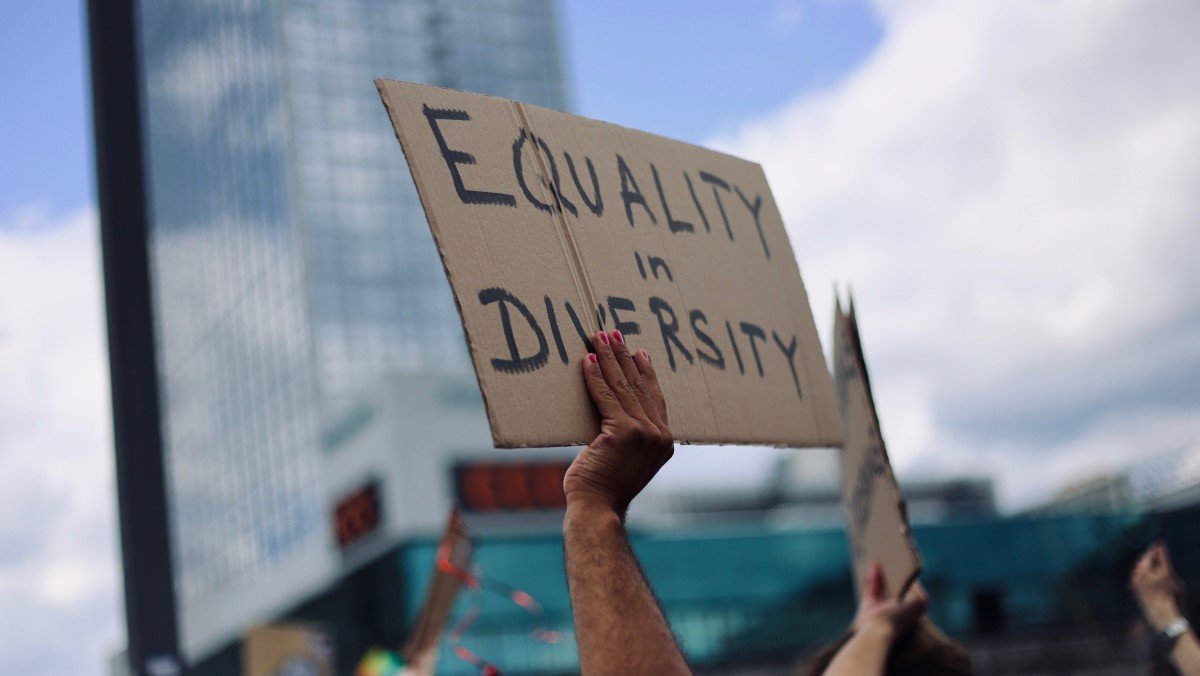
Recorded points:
(277, 649)
(551, 226)
(876, 518)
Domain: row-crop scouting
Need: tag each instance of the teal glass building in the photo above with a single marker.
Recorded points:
(750, 596)
(750, 599)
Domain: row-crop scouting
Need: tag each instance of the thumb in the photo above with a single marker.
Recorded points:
(908, 612)
(876, 584)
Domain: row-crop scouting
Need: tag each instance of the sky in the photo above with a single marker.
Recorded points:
(1009, 188)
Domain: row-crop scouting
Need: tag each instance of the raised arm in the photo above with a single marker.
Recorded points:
(879, 622)
(1156, 587)
(619, 625)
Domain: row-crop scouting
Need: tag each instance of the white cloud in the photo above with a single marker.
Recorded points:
(60, 611)
(1010, 189)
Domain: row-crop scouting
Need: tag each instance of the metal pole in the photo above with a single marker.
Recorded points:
(121, 189)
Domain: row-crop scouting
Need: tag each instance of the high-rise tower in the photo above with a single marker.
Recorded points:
(290, 266)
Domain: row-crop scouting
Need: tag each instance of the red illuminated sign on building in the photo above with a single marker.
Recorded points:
(511, 486)
(357, 515)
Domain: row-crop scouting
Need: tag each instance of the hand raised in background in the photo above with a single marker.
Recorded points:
(889, 616)
(1156, 586)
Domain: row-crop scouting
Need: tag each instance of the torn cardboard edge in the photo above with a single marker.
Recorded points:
(894, 548)
(415, 171)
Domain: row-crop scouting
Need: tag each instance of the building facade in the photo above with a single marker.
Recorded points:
(1164, 481)
(290, 263)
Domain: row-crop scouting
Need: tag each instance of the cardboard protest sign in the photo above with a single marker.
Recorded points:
(552, 226)
(876, 517)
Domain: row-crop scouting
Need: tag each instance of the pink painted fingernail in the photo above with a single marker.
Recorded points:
(618, 337)
(645, 355)
(604, 338)
(592, 357)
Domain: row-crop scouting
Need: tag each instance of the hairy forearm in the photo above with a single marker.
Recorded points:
(1159, 612)
(618, 624)
(865, 653)
(1186, 653)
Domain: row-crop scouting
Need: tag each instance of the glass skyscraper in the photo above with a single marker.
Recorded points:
(291, 264)
(367, 238)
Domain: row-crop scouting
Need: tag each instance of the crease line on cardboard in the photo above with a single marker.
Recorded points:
(566, 240)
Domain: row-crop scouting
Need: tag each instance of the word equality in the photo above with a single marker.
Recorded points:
(589, 194)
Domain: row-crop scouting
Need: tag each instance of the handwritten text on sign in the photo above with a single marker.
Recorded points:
(553, 226)
(877, 518)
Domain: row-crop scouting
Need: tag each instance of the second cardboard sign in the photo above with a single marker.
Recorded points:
(876, 517)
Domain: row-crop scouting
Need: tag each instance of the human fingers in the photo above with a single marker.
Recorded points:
(1166, 558)
(917, 589)
(631, 373)
(1156, 557)
(602, 395)
(908, 612)
(876, 585)
(615, 377)
(1143, 563)
(650, 377)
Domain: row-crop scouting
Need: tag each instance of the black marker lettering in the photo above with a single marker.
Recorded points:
(669, 330)
(696, 201)
(515, 363)
(657, 264)
(753, 331)
(864, 486)
(454, 158)
(789, 352)
(756, 210)
(627, 328)
(716, 182)
(632, 197)
(583, 336)
(736, 352)
(674, 225)
(862, 496)
(596, 208)
(555, 184)
(519, 169)
(641, 268)
(716, 359)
